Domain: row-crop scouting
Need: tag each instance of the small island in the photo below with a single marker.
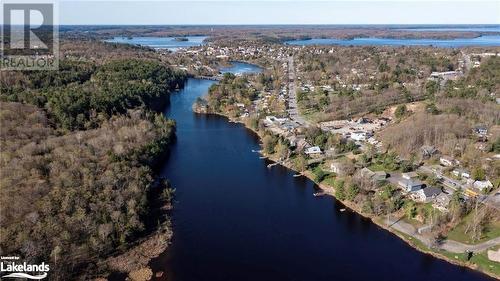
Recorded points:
(181, 39)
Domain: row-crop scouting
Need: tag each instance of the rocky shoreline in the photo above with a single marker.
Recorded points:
(134, 262)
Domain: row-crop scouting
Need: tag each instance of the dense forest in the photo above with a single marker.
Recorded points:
(82, 94)
(78, 148)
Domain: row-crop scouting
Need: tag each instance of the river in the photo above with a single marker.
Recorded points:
(234, 219)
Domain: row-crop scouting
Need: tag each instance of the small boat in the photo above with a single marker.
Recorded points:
(342, 210)
(297, 175)
(320, 193)
(262, 157)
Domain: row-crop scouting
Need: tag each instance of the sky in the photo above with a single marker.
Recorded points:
(207, 12)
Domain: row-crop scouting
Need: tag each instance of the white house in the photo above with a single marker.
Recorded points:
(312, 150)
(448, 161)
(461, 173)
(360, 135)
(481, 185)
(336, 167)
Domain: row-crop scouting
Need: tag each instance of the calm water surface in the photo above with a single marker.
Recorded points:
(235, 219)
(160, 42)
(241, 68)
(490, 40)
(495, 28)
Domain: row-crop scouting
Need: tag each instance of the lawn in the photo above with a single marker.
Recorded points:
(329, 180)
(458, 233)
(482, 261)
(479, 259)
(376, 167)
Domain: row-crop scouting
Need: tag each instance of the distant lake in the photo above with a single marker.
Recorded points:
(476, 29)
(240, 68)
(490, 40)
(169, 43)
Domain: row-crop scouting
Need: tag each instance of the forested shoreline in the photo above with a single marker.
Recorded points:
(78, 148)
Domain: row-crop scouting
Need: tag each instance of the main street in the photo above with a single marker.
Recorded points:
(293, 111)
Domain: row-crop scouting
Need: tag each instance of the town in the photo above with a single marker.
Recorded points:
(427, 194)
(239, 152)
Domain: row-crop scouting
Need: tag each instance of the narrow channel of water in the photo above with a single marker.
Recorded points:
(235, 219)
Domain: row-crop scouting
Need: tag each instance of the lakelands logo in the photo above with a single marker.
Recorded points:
(29, 35)
(13, 268)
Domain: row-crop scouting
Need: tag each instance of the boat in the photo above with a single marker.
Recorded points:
(297, 175)
(262, 157)
(320, 193)
(342, 210)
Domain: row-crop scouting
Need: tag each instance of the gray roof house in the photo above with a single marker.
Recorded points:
(410, 185)
(427, 194)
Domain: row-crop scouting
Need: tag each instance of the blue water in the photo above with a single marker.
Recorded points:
(490, 40)
(240, 68)
(234, 219)
(160, 42)
(472, 29)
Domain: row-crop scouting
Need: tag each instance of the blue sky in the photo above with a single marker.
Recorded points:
(279, 12)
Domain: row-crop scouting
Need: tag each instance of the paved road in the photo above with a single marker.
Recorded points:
(447, 245)
(292, 95)
(450, 185)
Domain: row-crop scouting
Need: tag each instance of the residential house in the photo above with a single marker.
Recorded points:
(337, 167)
(427, 194)
(313, 150)
(301, 144)
(367, 173)
(375, 176)
(410, 185)
(273, 119)
(442, 201)
(446, 75)
(380, 176)
(481, 130)
(483, 185)
(360, 135)
(409, 175)
(292, 139)
(461, 173)
(448, 161)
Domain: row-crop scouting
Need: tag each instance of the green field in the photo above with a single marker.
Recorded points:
(458, 233)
